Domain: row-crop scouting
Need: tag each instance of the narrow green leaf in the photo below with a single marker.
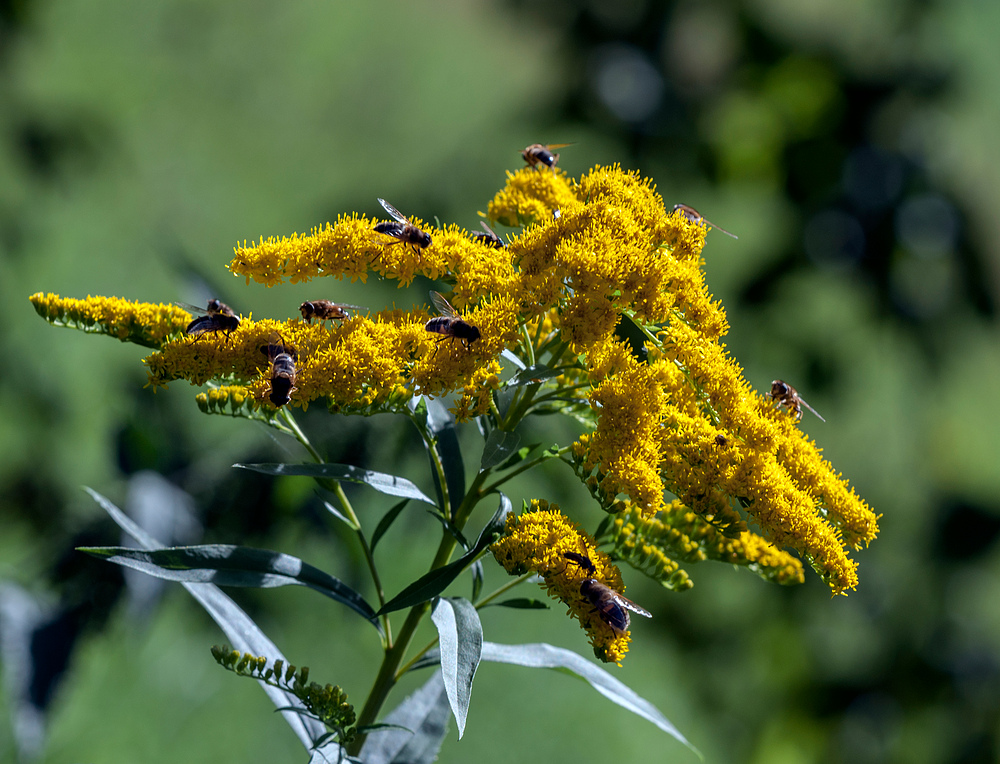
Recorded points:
(509, 356)
(505, 397)
(418, 408)
(229, 565)
(630, 332)
(499, 446)
(387, 519)
(534, 375)
(241, 631)
(339, 515)
(477, 579)
(426, 712)
(517, 457)
(541, 655)
(391, 485)
(447, 525)
(441, 425)
(436, 581)
(460, 638)
(521, 603)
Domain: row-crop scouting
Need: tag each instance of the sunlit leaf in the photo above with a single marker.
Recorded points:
(229, 565)
(521, 603)
(436, 581)
(509, 356)
(243, 634)
(387, 519)
(426, 713)
(441, 425)
(460, 640)
(499, 446)
(534, 375)
(391, 485)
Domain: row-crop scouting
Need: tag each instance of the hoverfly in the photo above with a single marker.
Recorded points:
(695, 217)
(540, 153)
(786, 395)
(323, 310)
(489, 237)
(611, 607)
(218, 317)
(449, 323)
(402, 229)
(282, 372)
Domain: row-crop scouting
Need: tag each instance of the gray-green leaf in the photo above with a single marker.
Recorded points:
(460, 636)
(229, 565)
(241, 631)
(499, 446)
(391, 485)
(436, 581)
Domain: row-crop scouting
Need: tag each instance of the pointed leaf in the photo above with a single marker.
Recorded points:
(339, 515)
(520, 603)
(425, 712)
(629, 331)
(243, 634)
(387, 519)
(441, 425)
(436, 581)
(418, 407)
(477, 579)
(391, 485)
(229, 565)
(448, 526)
(517, 457)
(509, 356)
(534, 375)
(499, 446)
(460, 636)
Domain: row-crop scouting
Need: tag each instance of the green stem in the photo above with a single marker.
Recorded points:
(503, 589)
(423, 651)
(528, 346)
(388, 672)
(431, 444)
(345, 504)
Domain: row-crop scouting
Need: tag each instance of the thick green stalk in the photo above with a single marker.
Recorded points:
(387, 675)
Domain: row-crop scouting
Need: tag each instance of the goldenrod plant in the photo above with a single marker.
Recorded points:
(592, 305)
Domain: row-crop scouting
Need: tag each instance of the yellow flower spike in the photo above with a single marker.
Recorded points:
(536, 541)
(531, 196)
(477, 395)
(685, 534)
(143, 323)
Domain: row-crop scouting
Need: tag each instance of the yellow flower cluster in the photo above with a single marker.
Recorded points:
(669, 409)
(144, 323)
(537, 541)
(646, 542)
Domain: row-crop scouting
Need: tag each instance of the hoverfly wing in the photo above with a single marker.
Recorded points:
(558, 145)
(442, 305)
(625, 602)
(194, 310)
(393, 212)
(811, 409)
(490, 237)
(720, 229)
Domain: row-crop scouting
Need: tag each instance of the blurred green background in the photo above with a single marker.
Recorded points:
(850, 145)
